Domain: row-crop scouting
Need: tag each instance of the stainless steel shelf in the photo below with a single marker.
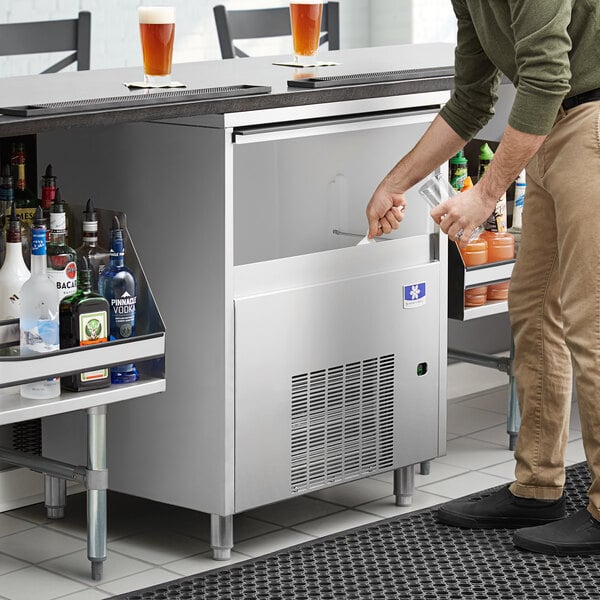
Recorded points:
(461, 277)
(14, 408)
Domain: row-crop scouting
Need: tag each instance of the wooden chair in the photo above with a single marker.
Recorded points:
(268, 22)
(50, 36)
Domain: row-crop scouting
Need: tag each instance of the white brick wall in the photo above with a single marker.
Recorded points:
(115, 41)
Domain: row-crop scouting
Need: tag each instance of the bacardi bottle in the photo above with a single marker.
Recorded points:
(84, 321)
(39, 322)
(62, 265)
(117, 284)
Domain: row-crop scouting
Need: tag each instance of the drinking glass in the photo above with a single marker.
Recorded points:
(437, 189)
(157, 33)
(305, 16)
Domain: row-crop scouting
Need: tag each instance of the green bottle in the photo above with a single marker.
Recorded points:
(485, 158)
(84, 320)
(458, 171)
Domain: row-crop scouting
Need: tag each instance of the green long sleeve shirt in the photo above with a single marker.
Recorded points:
(549, 49)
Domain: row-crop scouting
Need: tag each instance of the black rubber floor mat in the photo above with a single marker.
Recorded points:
(407, 557)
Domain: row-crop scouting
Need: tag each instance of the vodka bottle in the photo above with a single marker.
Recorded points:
(62, 265)
(39, 322)
(118, 285)
(96, 256)
(14, 272)
(84, 321)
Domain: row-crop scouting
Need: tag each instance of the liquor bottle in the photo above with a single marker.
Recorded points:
(84, 320)
(26, 199)
(62, 265)
(6, 199)
(118, 285)
(7, 196)
(39, 321)
(48, 185)
(96, 255)
(14, 272)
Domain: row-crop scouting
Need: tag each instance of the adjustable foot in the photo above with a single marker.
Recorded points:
(221, 536)
(55, 496)
(97, 569)
(404, 485)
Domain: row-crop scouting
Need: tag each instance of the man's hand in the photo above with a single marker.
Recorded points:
(460, 215)
(385, 210)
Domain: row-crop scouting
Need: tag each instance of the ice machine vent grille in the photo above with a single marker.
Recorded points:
(342, 422)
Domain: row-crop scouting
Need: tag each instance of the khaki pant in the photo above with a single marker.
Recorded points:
(554, 306)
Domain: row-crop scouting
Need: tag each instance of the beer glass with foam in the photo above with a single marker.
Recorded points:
(305, 16)
(157, 32)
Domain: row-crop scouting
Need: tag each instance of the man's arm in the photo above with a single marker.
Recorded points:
(438, 144)
(468, 210)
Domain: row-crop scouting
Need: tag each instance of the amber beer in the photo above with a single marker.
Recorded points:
(305, 16)
(157, 32)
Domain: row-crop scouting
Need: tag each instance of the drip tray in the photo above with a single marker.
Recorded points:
(136, 99)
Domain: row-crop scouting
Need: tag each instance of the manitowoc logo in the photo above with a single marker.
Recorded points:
(415, 294)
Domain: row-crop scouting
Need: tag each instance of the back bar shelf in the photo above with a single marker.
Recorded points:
(146, 349)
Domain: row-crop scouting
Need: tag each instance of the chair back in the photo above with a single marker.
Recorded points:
(50, 36)
(268, 22)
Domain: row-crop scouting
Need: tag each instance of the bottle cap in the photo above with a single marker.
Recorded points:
(485, 152)
(59, 204)
(38, 217)
(89, 214)
(459, 159)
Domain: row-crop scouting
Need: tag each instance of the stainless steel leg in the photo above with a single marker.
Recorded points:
(96, 498)
(221, 536)
(404, 485)
(55, 496)
(425, 467)
(514, 416)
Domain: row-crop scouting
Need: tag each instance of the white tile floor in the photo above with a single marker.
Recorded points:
(150, 543)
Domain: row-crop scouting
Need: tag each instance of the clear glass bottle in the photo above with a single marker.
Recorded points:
(14, 272)
(62, 263)
(96, 256)
(39, 323)
(117, 283)
(84, 320)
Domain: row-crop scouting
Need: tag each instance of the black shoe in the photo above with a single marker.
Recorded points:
(501, 509)
(577, 534)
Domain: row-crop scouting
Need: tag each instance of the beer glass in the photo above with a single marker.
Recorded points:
(157, 32)
(305, 16)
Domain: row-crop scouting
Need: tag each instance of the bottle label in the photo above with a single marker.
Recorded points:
(20, 183)
(122, 312)
(93, 329)
(64, 279)
(58, 221)
(458, 174)
(25, 215)
(39, 336)
(38, 241)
